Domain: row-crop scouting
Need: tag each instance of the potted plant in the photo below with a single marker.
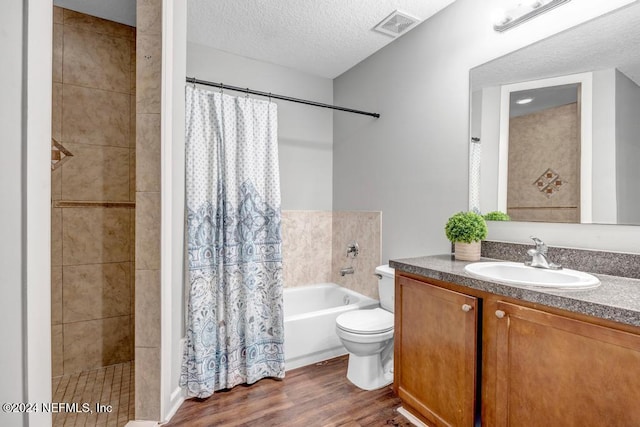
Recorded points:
(466, 230)
(496, 216)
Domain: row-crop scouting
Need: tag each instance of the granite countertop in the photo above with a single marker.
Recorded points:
(617, 298)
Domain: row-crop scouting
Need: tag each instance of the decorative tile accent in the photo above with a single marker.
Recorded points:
(549, 182)
(59, 154)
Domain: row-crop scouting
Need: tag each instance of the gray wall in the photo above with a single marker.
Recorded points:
(304, 132)
(11, 213)
(412, 162)
(627, 149)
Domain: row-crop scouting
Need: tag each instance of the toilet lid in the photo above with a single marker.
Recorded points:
(366, 321)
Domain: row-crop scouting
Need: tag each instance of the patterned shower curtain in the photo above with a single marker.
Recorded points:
(234, 331)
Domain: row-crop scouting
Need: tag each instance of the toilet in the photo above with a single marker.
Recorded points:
(368, 337)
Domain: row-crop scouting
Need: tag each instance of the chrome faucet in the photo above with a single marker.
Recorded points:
(346, 270)
(539, 256)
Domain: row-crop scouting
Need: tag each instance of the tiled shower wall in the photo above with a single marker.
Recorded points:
(314, 248)
(555, 161)
(92, 241)
(148, 109)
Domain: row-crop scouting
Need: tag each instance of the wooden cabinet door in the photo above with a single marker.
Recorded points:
(435, 352)
(556, 371)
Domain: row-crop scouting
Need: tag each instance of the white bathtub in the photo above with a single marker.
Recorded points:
(310, 321)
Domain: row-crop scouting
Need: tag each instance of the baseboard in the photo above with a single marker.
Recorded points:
(178, 396)
(412, 418)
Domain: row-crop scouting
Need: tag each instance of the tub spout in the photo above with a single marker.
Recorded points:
(348, 270)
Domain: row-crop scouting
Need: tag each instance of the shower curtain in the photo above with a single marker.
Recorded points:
(234, 325)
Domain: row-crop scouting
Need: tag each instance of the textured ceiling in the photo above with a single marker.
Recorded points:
(323, 38)
(609, 41)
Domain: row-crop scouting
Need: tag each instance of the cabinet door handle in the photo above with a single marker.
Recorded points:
(500, 314)
(466, 308)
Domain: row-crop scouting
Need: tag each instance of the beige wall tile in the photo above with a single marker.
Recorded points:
(96, 60)
(132, 294)
(97, 117)
(132, 234)
(147, 231)
(148, 152)
(56, 295)
(149, 16)
(365, 229)
(58, 15)
(95, 343)
(56, 237)
(56, 351)
(96, 173)
(132, 68)
(96, 291)
(132, 122)
(56, 70)
(95, 235)
(148, 73)
(147, 308)
(97, 25)
(147, 383)
(56, 184)
(132, 175)
(56, 112)
(306, 247)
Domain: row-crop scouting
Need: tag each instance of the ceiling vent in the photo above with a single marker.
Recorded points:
(396, 24)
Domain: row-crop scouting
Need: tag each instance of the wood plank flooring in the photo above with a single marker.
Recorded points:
(316, 395)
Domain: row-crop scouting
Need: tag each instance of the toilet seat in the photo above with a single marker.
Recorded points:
(366, 322)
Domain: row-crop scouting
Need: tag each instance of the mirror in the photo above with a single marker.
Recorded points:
(584, 85)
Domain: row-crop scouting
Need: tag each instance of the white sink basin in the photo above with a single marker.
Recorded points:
(515, 273)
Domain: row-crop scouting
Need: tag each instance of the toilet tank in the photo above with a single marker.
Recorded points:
(386, 286)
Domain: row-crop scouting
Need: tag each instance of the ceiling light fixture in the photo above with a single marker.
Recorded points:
(523, 101)
(525, 11)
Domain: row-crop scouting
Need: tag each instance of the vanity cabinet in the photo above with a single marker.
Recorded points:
(553, 370)
(462, 354)
(435, 352)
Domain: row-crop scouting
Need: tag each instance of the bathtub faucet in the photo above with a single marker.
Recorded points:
(347, 270)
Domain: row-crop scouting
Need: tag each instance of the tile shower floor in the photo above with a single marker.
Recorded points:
(111, 385)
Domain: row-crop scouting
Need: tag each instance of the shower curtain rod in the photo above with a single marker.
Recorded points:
(283, 97)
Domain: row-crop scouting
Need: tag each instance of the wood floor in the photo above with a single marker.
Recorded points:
(316, 395)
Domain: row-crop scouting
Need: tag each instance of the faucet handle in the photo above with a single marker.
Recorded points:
(540, 245)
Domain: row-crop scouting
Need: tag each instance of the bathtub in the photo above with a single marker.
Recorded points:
(310, 321)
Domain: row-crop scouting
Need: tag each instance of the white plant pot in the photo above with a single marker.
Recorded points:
(468, 251)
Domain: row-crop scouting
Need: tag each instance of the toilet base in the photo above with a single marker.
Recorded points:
(366, 372)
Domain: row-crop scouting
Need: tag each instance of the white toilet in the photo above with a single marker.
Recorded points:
(368, 337)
